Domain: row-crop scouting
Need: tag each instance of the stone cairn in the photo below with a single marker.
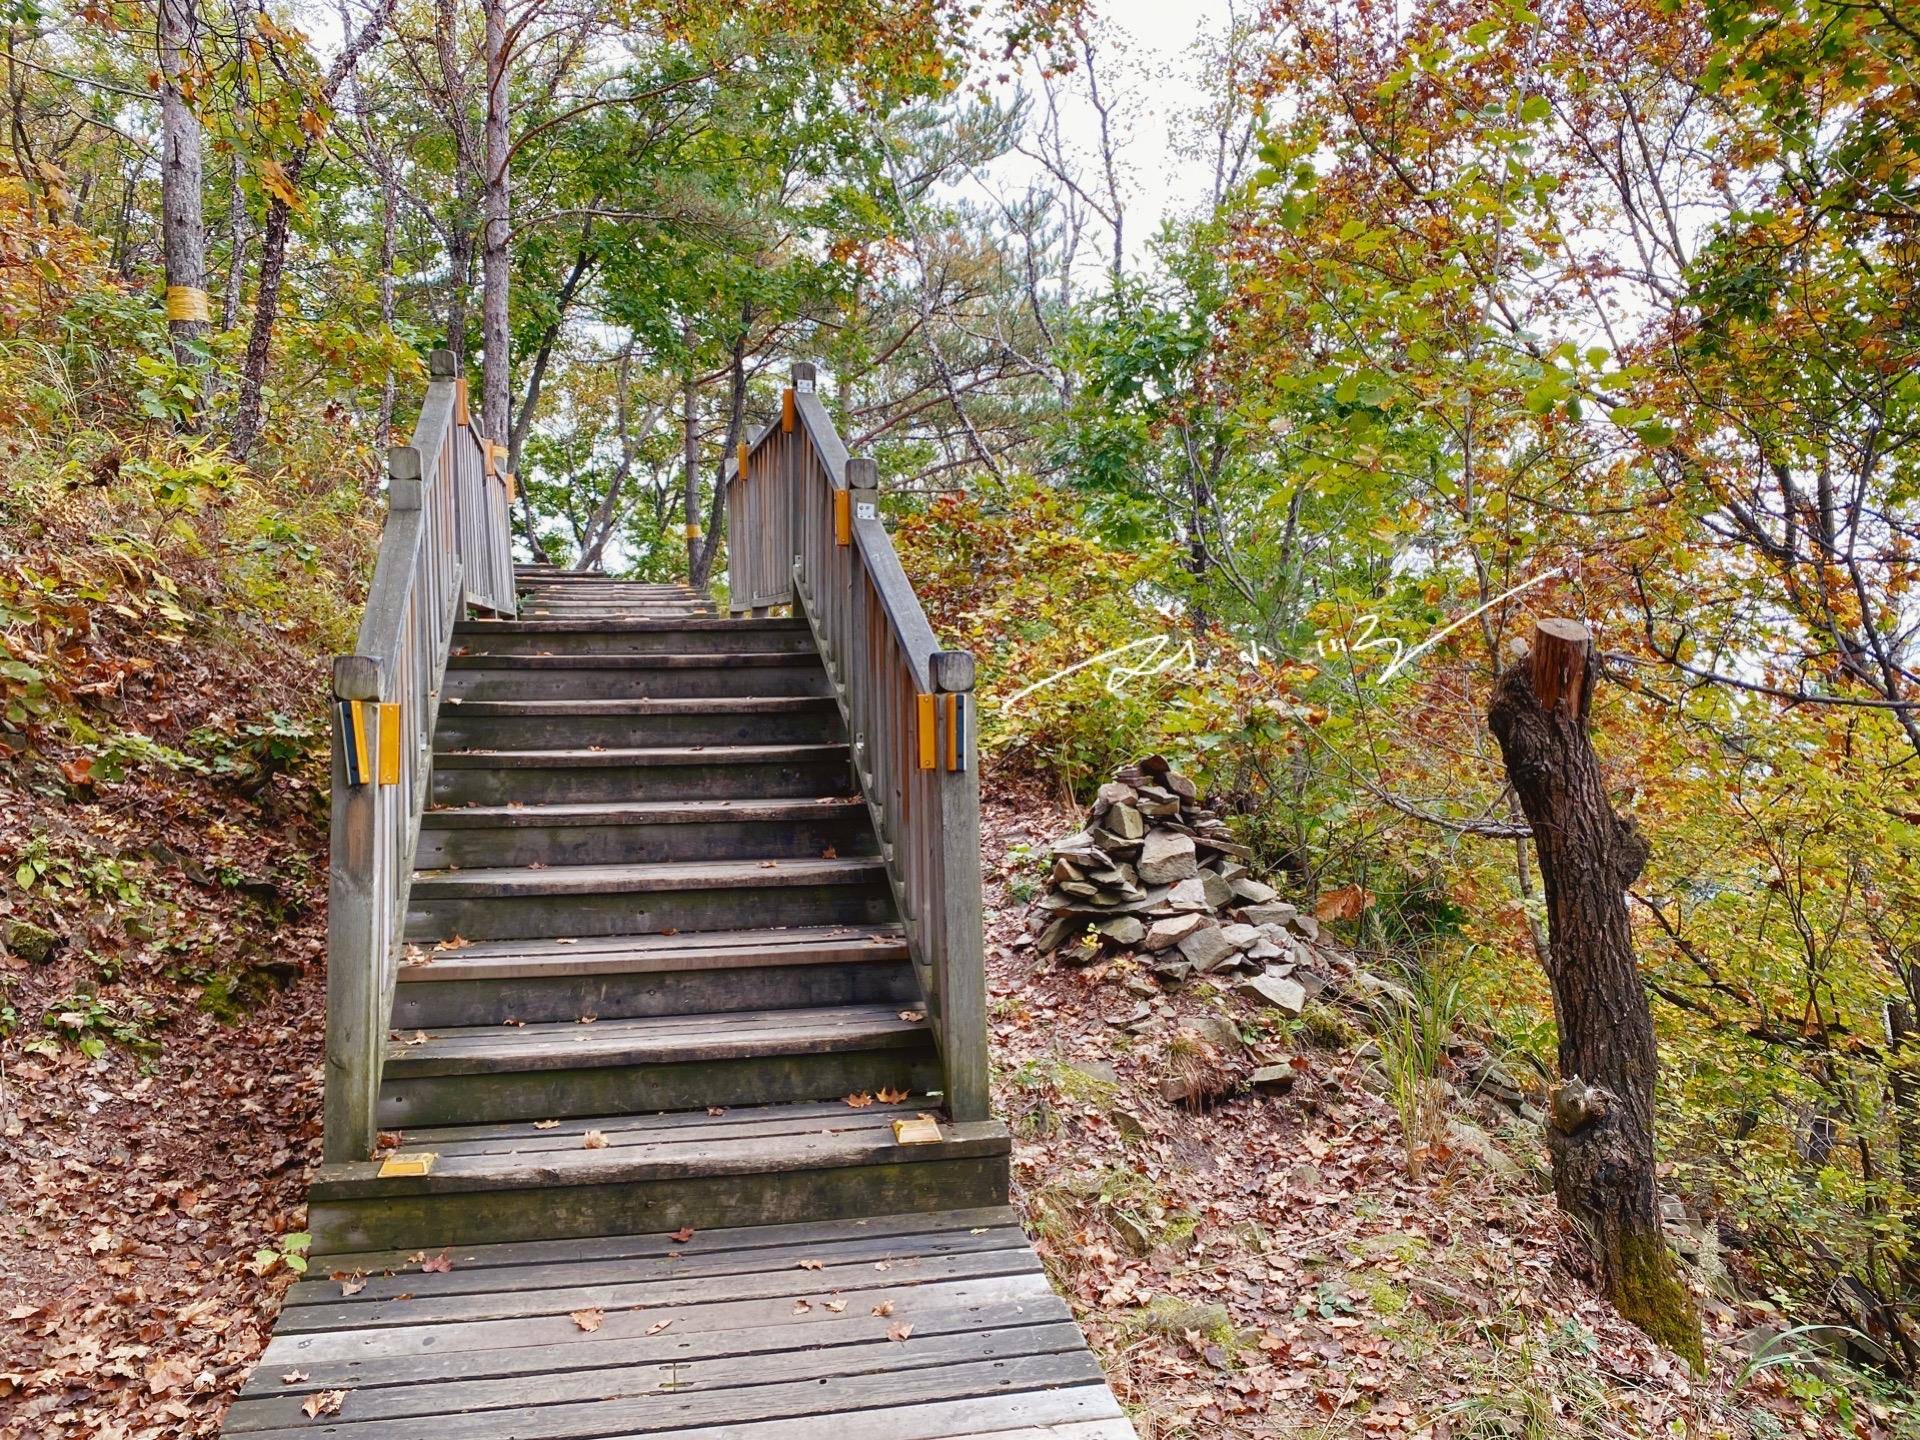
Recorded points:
(1155, 871)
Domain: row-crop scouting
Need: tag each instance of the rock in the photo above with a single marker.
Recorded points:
(1126, 822)
(1126, 1018)
(1078, 846)
(1189, 894)
(1118, 847)
(1180, 785)
(1272, 914)
(1287, 996)
(1159, 805)
(34, 944)
(1380, 992)
(1215, 890)
(1230, 869)
(1127, 930)
(1275, 1079)
(1114, 792)
(1167, 933)
(1065, 871)
(1219, 1032)
(1241, 937)
(1173, 971)
(1206, 946)
(1306, 925)
(1097, 1072)
(1252, 891)
(1263, 949)
(1166, 857)
(1155, 765)
(1083, 950)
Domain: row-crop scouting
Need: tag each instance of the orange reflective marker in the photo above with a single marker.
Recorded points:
(928, 740)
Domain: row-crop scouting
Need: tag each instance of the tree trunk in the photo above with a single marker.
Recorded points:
(183, 231)
(236, 241)
(496, 341)
(249, 412)
(690, 461)
(700, 570)
(1600, 1124)
(389, 201)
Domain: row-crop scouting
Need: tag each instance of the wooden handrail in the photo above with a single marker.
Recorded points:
(446, 546)
(804, 529)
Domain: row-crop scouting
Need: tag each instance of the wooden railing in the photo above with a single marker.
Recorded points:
(804, 529)
(446, 546)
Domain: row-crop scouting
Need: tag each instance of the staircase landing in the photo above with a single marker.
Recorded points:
(902, 1327)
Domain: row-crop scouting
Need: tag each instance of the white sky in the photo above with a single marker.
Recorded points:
(1152, 84)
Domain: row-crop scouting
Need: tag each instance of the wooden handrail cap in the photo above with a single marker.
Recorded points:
(952, 671)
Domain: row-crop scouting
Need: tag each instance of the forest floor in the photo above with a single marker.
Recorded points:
(1260, 1268)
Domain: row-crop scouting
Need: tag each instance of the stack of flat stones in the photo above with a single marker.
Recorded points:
(1157, 872)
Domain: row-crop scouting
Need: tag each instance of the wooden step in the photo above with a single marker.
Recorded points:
(672, 1062)
(481, 676)
(757, 1164)
(524, 902)
(631, 635)
(581, 724)
(663, 772)
(492, 982)
(643, 832)
(748, 1339)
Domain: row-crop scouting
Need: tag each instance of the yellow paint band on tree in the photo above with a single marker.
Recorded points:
(693, 532)
(184, 302)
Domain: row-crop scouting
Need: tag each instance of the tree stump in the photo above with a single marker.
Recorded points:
(1600, 1122)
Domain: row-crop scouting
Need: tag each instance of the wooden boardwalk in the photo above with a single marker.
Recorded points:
(906, 1327)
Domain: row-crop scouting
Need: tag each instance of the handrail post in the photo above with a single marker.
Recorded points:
(355, 926)
(960, 950)
(804, 378)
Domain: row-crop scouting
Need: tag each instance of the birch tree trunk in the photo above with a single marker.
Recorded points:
(1600, 1121)
(183, 230)
(495, 339)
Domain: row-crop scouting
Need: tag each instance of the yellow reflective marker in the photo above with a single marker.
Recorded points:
(417, 1162)
(928, 741)
(920, 1130)
(390, 743)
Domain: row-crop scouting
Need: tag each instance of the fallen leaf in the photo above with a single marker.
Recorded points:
(293, 1377)
(892, 1097)
(913, 1017)
(351, 1284)
(546, 1124)
(801, 1307)
(836, 1306)
(812, 1264)
(587, 1320)
(899, 1332)
(438, 1265)
(595, 1140)
(323, 1402)
(860, 1100)
(657, 1326)
(883, 1309)
(681, 1236)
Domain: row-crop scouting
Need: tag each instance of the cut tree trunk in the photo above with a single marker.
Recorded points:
(1600, 1121)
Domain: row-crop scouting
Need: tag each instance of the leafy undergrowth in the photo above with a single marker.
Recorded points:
(162, 923)
(1264, 1266)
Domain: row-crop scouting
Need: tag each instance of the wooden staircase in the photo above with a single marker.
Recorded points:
(654, 976)
(647, 927)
